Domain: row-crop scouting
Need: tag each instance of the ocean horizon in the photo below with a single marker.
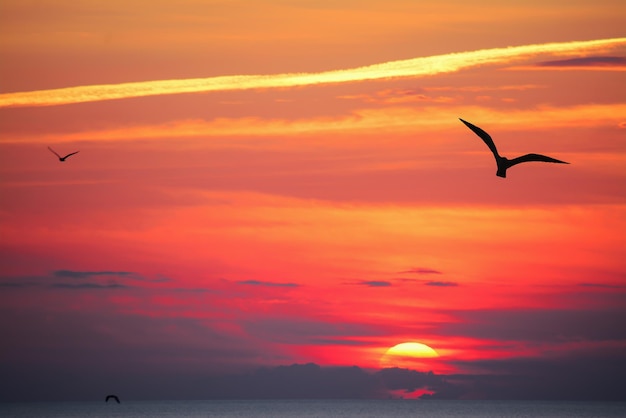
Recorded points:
(316, 408)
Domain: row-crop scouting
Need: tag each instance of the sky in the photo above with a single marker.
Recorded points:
(269, 195)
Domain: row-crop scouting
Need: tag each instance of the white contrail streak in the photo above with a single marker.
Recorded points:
(415, 67)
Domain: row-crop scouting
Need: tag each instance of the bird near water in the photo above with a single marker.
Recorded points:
(62, 159)
(114, 397)
(503, 162)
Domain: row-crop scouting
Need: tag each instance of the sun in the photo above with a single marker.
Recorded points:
(407, 356)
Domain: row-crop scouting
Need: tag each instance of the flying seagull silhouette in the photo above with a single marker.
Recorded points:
(503, 162)
(115, 398)
(62, 159)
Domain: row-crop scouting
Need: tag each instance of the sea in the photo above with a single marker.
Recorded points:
(315, 408)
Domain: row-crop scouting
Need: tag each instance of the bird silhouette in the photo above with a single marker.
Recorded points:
(114, 397)
(503, 162)
(62, 159)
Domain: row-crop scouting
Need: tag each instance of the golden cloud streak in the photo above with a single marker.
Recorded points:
(414, 67)
(388, 120)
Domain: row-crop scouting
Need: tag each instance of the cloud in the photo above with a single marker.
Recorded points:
(374, 283)
(311, 381)
(586, 62)
(88, 274)
(475, 89)
(192, 290)
(602, 285)
(72, 274)
(268, 284)
(416, 67)
(395, 96)
(407, 380)
(592, 63)
(95, 281)
(584, 375)
(89, 286)
(441, 284)
(44, 281)
(104, 279)
(148, 356)
(393, 119)
(20, 282)
(297, 381)
(18, 285)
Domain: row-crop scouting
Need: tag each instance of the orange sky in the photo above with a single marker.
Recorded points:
(267, 183)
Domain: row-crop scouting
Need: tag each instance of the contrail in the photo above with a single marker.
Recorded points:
(415, 67)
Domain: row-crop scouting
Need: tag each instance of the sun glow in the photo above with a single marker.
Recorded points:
(407, 355)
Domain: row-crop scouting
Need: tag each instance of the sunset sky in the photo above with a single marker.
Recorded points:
(272, 183)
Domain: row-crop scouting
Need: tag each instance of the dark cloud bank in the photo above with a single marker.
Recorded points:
(600, 379)
(608, 61)
(88, 274)
(374, 283)
(267, 284)
(591, 377)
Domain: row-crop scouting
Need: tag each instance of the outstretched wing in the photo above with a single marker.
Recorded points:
(54, 152)
(535, 157)
(484, 136)
(71, 153)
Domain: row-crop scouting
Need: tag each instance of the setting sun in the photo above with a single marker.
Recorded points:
(406, 355)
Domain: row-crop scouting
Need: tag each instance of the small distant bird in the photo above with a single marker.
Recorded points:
(62, 159)
(503, 162)
(115, 398)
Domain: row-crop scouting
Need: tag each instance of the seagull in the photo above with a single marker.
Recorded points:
(503, 162)
(115, 398)
(62, 159)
